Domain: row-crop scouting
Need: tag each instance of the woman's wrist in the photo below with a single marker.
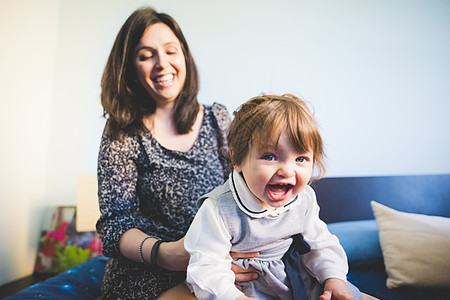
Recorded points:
(172, 256)
(154, 253)
(136, 245)
(140, 250)
(148, 255)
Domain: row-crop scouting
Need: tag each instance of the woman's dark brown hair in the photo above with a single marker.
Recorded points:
(124, 100)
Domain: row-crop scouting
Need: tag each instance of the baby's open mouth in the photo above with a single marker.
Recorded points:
(279, 191)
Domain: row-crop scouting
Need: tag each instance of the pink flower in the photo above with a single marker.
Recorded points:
(48, 248)
(59, 233)
(95, 244)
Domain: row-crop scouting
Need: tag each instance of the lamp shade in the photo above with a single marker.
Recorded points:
(88, 210)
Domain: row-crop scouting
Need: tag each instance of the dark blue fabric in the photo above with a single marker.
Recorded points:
(79, 283)
(372, 280)
(292, 265)
(348, 198)
(360, 241)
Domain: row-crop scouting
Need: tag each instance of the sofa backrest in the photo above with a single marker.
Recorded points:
(348, 198)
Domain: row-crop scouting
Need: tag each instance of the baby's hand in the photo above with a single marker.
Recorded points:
(243, 297)
(336, 289)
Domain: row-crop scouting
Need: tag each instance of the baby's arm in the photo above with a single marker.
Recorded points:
(327, 258)
(336, 289)
(208, 242)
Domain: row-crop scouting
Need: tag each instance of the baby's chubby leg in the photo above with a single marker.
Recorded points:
(180, 292)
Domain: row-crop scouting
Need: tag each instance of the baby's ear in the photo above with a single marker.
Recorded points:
(235, 167)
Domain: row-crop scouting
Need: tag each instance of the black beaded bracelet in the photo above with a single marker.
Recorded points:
(140, 250)
(154, 252)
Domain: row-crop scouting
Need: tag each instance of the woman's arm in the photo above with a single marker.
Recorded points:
(170, 255)
(119, 205)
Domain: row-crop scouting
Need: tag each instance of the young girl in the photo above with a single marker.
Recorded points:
(267, 206)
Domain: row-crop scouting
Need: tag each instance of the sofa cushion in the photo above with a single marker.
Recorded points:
(360, 241)
(416, 248)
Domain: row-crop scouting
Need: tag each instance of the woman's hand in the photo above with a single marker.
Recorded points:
(242, 274)
(172, 256)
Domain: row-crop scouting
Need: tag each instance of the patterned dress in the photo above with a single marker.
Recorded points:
(146, 186)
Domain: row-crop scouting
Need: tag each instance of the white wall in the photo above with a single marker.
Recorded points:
(376, 73)
(28, 37)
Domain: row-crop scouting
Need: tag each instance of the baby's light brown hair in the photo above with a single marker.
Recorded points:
(261, 118)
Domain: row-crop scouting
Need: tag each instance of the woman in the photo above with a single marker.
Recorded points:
(160, 152)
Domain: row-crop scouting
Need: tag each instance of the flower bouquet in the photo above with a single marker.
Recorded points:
(61, 247)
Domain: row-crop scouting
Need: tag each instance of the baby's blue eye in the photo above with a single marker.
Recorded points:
(300, 159)
(269, 157)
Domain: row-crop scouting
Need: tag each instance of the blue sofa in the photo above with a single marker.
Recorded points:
(78, 283)
(345, 207)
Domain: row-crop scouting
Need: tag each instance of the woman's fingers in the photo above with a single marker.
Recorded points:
(242, 274)
(244, 255)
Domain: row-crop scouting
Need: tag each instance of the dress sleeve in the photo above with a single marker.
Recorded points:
(208, 242)
(117, 178)
(327, 258)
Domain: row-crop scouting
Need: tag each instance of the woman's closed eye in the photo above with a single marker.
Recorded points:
(171, 50)
(144, 55)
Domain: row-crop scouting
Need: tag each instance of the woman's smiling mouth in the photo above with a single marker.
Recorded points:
(164, 79)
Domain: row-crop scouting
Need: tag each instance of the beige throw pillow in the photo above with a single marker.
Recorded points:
(416, 248)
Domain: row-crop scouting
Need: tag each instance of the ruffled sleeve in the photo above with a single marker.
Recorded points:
(117, 179)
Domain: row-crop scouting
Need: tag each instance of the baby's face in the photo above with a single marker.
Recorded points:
(276, 176)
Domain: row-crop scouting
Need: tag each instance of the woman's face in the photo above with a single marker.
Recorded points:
(160, 64)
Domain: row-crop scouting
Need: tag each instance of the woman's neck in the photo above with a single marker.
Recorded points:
(162, 126)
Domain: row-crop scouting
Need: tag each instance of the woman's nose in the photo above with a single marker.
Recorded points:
(162, 60)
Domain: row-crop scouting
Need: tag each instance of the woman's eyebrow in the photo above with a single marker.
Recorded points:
(144, 47)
